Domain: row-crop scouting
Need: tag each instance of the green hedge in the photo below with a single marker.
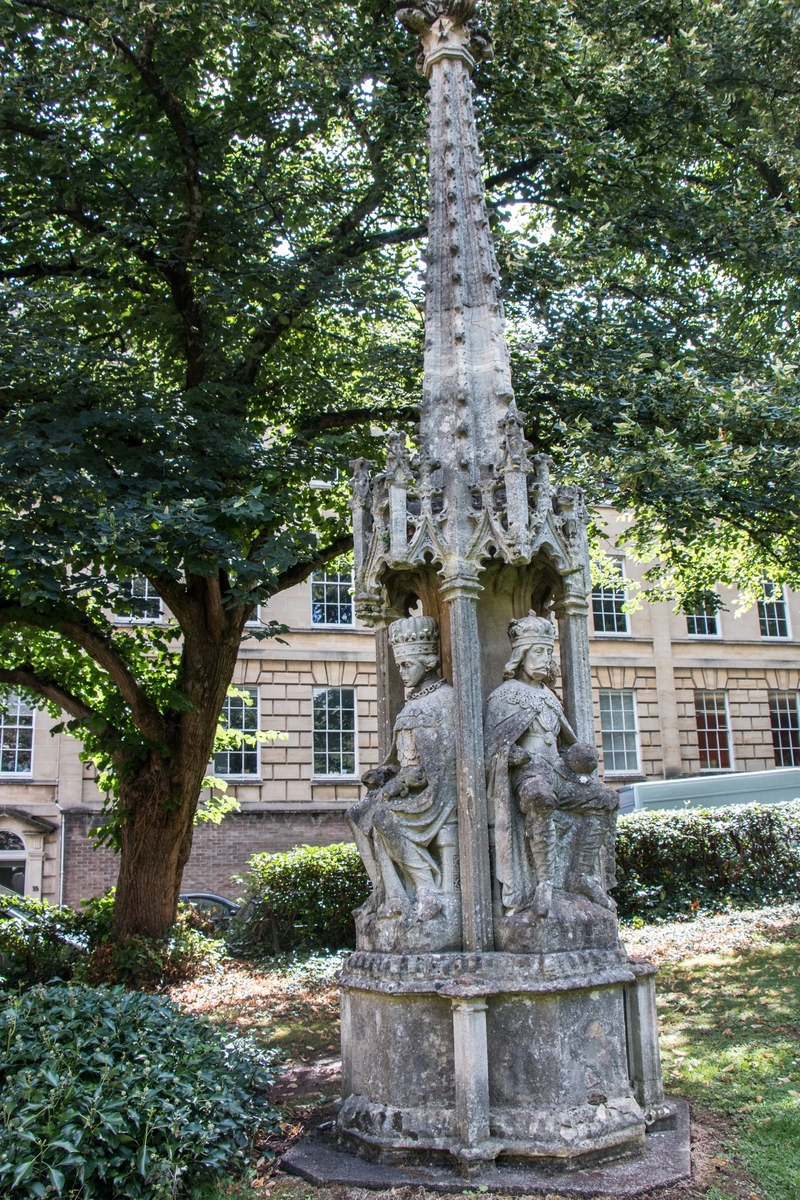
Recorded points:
(675, 863)
(668, 864)
(300, 899)
(108, 1093)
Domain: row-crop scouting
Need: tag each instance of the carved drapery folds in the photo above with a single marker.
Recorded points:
(554, 822)
(406, 826)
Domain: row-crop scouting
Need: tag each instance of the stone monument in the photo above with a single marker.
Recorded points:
(490, 1013)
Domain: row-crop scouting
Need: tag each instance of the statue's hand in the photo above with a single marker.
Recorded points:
(410, 779)
(378, 776)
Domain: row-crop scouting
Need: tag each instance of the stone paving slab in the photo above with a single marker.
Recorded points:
(666, 1160)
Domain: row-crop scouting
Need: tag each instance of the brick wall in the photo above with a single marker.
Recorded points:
(218, 851)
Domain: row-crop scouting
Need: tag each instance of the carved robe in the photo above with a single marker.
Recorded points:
(424, 751)
(511, 710)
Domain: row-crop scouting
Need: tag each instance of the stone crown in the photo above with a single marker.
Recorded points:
(420, 634)
(532, 630)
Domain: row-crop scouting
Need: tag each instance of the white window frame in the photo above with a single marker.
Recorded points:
(129, 618)
(15, 698)
(717, 770)
(776, 600)
(316, 777)
(351, 624)
(618, 772)
(613, 633)
(704, 636)
(255, 621)
(253, 776)
(787, 692)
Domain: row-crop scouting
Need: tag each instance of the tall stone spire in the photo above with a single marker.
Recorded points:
(467, 384)
(436, 525)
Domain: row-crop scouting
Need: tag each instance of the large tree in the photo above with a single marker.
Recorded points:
(654, 279)
(200, 215)
(210, 219)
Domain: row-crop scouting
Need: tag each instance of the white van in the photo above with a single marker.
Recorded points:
(713, 791)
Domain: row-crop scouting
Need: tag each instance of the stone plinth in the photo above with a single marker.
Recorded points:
(547, 1030)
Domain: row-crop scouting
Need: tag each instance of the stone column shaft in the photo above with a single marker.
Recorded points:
(644, 1059)
(473, 831)
(471, 1071)
(572, 614)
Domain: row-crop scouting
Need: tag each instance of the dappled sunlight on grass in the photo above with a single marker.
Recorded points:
(730, 1028)
(292, 1004)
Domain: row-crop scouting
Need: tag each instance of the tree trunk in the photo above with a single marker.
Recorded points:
(159, 802)
(157, 827)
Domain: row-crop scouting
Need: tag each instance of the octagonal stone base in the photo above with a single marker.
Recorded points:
(490, 1056)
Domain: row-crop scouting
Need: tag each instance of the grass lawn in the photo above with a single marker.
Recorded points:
(730, 1022)
(730, 1035)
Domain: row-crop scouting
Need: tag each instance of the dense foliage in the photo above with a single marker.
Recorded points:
(48, 942)
(300, 899)
(673, 863)
(668, 864)
(212, 215)
(107, 1093)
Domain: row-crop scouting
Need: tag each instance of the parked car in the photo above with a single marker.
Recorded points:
(9, 909)
(713, 791)
(216, 909)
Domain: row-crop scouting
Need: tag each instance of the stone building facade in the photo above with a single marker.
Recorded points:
(674, 696)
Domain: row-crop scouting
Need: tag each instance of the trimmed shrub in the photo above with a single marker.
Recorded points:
(304, 898)
(675, 863)
(109, 1094)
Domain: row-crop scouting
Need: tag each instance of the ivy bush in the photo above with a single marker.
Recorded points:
(675, 863)
(668, 864)
(109, 1094)
(301, 899)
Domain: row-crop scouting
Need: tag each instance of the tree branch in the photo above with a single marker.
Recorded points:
(301, 571)
(39, 132)
(515, 171)
(354, 416)
(26, 677)
(176, 272)
(144, 713)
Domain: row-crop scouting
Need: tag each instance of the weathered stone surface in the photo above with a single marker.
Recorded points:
(554, 822)
(406, 826)
(556, 1070)
(665, 1160)
(517, 1047)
